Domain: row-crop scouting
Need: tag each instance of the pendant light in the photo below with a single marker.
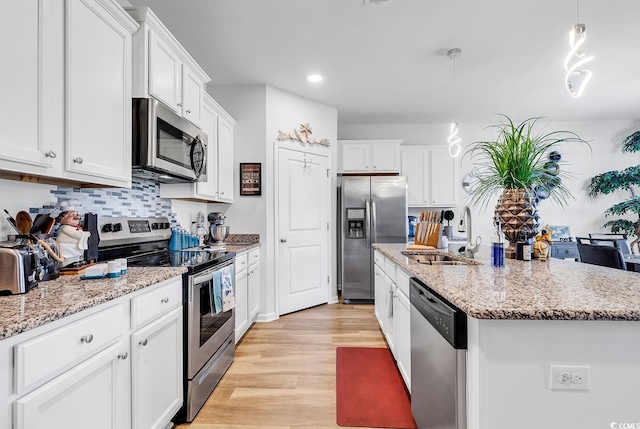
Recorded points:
(453, 139)
(577, 77)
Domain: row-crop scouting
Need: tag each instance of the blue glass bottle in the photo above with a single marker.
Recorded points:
(173, 241)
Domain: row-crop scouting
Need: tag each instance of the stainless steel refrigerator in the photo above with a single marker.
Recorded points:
(373, 210)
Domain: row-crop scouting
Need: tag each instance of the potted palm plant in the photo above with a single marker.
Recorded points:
(522, 167)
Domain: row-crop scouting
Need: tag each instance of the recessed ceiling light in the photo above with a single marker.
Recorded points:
(315, 78)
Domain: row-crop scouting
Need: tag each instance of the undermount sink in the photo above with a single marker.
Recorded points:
(434, 259)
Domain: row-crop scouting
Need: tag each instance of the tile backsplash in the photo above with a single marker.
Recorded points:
(142, 200)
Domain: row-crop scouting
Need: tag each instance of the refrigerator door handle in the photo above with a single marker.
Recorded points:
(367, 220)
(374, 232)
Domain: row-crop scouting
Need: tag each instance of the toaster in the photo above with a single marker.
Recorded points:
(18, 268)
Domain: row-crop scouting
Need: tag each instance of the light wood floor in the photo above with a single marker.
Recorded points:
(284, 372)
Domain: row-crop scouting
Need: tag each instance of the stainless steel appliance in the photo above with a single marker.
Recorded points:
(217, 231)
(209, 333)
(373, 210)
(18, 268)
(166, 147)
(438, 360)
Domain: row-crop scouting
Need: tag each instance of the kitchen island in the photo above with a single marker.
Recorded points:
(530, 315)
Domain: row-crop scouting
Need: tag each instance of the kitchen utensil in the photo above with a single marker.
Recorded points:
(12, 221)
(24, 222)
(37, 221)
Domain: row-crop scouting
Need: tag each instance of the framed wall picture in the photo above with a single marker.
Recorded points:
(250, 178)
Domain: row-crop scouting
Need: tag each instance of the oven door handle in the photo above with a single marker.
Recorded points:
(202, 279)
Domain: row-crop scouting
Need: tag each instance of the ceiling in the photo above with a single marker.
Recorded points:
(387, 64)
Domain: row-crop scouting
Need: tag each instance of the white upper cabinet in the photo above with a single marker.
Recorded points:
(225, 159)
(432, 176)
(98, 68)
(164, 70)
(70, 97)
(368, 156)
(218, 126)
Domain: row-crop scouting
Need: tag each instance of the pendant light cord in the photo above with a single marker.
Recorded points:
(454, 88)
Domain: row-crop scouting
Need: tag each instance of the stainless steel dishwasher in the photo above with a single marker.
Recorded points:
(438, 360)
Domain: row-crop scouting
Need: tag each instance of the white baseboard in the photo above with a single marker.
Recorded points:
(269, 317)
(334, 299)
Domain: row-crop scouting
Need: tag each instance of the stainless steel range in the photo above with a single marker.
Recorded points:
(209, 333)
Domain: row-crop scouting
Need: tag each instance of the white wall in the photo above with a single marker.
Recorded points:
(18, 196)
(261, 111)
(583, 215)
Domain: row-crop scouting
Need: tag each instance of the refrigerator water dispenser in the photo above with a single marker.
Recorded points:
(355, 223)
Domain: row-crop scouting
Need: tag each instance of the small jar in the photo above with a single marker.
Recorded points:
(47, 256)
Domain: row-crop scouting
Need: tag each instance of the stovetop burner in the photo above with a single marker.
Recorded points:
(193, 260)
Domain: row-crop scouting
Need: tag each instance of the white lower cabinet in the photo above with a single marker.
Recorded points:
(156, 383)
(392, 308)
(94, 394)
(247, 290)
(115, 366)
(241, 314)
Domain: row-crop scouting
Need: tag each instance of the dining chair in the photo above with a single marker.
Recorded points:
(603, 252)
(605, 239)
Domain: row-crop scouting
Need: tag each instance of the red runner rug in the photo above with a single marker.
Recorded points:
(370, 391)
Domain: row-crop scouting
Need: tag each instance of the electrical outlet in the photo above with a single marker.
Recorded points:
(567, 377)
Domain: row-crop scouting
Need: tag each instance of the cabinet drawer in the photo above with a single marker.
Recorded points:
(390, 269)
(402, 281)
(564, 250)
(241, 262)
(378, 259)
(45, 356)
(152, 305)
(254, 256)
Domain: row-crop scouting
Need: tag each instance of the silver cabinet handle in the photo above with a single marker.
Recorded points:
(165, 300)
(283, 240)
(188, 110)
(221, 193)
(86, 339)
(123, 356)
(143, 342)
(50, 154)
(179, 104)
(78, 160)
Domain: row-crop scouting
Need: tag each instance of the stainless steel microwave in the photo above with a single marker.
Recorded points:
(166, 147)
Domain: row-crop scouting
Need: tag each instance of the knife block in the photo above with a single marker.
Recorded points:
(428, 233)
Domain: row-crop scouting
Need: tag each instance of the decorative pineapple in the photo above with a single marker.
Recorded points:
(518, 164)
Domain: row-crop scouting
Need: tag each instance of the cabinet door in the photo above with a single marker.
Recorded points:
(254, 292)
(356, 157)
(192, 93)
(98, 102)
(444, 178)
(402, 326)
(95, 394)
(388, 316)
(157, 374)
(385, 158)
(378, 295)
(209, 189)
(241, 313)
(225, 160)
(414, 167)
(165, 70)
(31, 124)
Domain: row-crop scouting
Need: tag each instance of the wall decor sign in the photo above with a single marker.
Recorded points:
(250, 178)
(303, 135)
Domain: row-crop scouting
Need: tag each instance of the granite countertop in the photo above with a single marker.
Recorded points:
(67, 295)
(557, 289)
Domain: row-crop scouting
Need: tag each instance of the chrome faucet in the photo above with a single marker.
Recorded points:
(465, 218)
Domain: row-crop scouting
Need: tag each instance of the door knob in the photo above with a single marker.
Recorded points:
(123, 355)
(78, 160)
(50, 154)
(283, 240)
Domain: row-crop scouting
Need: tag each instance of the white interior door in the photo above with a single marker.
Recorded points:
(302, 207)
